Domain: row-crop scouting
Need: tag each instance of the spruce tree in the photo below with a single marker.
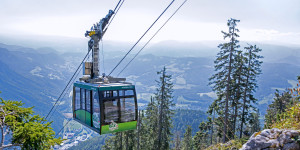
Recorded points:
(150, 123)
(163, 96)
(277, 107)
(254, 122)
(253, 61)
(187, 139)
(201, 139)
(222, 81)
(177, 141)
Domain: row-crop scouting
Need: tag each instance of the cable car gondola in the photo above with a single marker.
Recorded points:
(105, 108)
(104, 104)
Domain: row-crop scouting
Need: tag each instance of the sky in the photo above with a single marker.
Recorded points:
(269, 21)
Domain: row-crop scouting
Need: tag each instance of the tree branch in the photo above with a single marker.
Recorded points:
(9, 145)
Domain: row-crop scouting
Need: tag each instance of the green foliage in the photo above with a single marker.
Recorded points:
(277, 107)
(122, 140)
(254, 124)
(150, 124)
(289, 119)
(232, 145)
(287, 109)
(187, 139)
(35, 135)
(27, 131)
(201, 139)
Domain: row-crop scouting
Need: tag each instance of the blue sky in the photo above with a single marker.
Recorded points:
(270, 21)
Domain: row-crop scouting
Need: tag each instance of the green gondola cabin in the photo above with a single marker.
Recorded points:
(105, 108)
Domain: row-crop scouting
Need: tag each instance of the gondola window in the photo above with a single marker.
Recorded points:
(82, 98)
(77, 98)
(96, 110)
(111, 111)
(127, 109)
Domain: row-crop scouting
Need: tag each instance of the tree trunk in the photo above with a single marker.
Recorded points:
(212, 129)
(2, 138)
(121, 146)
(127, 141)
(177, 145)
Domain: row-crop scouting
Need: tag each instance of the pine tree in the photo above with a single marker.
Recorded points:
(150, 123)
(187, 139)
(277, 107)
(254, 122)
(163, 96)
(177, 141)
(253, 70)
(201, 139)
(215, 123)
(222, 80)
(114, 142)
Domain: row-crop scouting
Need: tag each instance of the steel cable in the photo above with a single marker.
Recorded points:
(152, 38)
(140, 38)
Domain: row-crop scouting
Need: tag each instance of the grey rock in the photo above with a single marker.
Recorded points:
(294, 133)
(274, 143)
(285, 138)
(273, 139)
(291, 146)
(260, 138)
(265, 132)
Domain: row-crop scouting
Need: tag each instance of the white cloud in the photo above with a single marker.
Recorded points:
(265, 20)
(186, 86)
(267, 35)
(209, 94)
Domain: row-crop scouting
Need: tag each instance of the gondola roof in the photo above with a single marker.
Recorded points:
(104, 86)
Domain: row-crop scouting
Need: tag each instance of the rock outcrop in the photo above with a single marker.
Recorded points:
(270, 139)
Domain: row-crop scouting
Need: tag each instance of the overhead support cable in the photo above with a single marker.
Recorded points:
(67, 84)
(151, 38)
(118, 5)
(62, 128)
(64, 95)
(116, 10)
(140, 38)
